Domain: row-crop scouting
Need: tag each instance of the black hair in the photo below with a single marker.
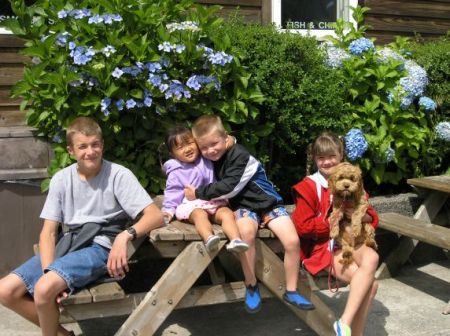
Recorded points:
(174, 137)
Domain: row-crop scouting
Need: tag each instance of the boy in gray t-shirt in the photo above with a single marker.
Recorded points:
(93, 198)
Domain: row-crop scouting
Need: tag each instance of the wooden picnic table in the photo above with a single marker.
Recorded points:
(436, 191)
(174, 288)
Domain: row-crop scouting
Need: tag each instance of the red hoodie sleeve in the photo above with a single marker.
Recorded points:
(372, 213)
(309, 222)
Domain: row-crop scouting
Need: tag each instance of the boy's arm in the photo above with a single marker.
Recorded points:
(240, 170)
(151, 218)
(47, 242)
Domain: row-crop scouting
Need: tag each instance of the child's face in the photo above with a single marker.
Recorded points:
(325, 162)
(213, 145)
(88, 151)
(185, 150)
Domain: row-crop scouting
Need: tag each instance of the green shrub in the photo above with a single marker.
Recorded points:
(138, 67)
(303, 97)
(433, 56)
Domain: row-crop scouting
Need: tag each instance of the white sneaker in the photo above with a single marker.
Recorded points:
(212, 243)
(237, 245)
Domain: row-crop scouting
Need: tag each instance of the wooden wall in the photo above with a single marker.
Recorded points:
(388, 18)
(11, 69)
(252, 10)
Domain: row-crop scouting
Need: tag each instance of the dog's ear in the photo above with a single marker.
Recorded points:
(332, 179)
(360, 193)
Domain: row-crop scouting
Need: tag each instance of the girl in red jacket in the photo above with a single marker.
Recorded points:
(312, 200)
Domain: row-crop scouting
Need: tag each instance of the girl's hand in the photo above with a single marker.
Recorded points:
(189, 192)
(167, 217)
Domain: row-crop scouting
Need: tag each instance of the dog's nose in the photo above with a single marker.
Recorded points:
(346, 185)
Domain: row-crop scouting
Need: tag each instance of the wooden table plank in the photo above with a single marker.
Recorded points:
(439, 183)
(188, 230)
(107, 292)
(168, 232)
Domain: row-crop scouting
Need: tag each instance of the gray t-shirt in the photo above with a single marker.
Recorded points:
(115, 193)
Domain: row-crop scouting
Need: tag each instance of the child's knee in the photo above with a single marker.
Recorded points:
(291, 244)
(47, 289)
(10, 292)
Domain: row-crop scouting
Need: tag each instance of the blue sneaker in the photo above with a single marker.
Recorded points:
(295, 299)
(252, 299)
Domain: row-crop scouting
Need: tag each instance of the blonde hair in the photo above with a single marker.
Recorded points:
(206, 124)
(83, 125)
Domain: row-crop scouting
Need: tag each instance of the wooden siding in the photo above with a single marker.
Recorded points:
(389, 18)
(11, 70)
(251, 10)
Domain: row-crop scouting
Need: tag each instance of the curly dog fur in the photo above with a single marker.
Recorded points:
(346, 185)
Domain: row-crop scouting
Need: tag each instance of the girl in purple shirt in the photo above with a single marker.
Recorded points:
(188, 167)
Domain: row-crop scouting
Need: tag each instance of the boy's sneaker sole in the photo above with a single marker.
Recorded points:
(238, 247)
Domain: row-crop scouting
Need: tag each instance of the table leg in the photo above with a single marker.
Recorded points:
(162, 299)
(427, 212)
(270, 271)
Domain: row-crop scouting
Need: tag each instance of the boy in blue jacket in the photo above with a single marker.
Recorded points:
(242, 181)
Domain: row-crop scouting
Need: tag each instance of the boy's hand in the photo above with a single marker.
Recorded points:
(117, 259)
(189, 192)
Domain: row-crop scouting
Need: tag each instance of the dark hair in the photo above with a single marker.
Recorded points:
(175, 136)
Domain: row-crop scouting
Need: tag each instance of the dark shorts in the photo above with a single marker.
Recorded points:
(265, 218)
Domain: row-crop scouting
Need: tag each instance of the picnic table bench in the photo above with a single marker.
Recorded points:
(419, 227)
(175, 288)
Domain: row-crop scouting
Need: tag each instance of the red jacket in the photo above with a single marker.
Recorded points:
(311, 223)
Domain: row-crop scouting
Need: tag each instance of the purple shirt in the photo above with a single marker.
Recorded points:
(179, 175)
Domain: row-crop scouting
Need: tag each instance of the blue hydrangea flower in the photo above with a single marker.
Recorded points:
(386, 54)
(360, 46)
(355, 144)
(153, 66)
(95, 19)
(117, 73)
(219, 58)
(72, 45)
(82, 55)
(406, 102)
(166, 46)
(62, 14)
(155, 80)
(175, 90)
(443, 130)
(416, 81)
(104, 104)
(335, 56)
(61, 39)
(78, 14)
(120, 104)
(108, 50)
(133, 70)
(130, 103)
(179, 48)
(185, 25)
(57, 138)
(193, 83)
(390, 154)
(427, 103)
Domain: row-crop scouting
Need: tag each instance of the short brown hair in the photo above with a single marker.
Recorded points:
(327, 143)
(84, 125)
(206, 124)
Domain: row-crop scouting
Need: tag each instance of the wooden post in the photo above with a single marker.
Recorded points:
(162, 299)
(270, 271)
(427, 212)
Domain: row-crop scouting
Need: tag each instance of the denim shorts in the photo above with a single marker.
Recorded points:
(77, 268)
(265, 218)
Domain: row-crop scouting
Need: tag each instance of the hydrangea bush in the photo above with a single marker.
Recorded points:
(392, 133)
(137, 66)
